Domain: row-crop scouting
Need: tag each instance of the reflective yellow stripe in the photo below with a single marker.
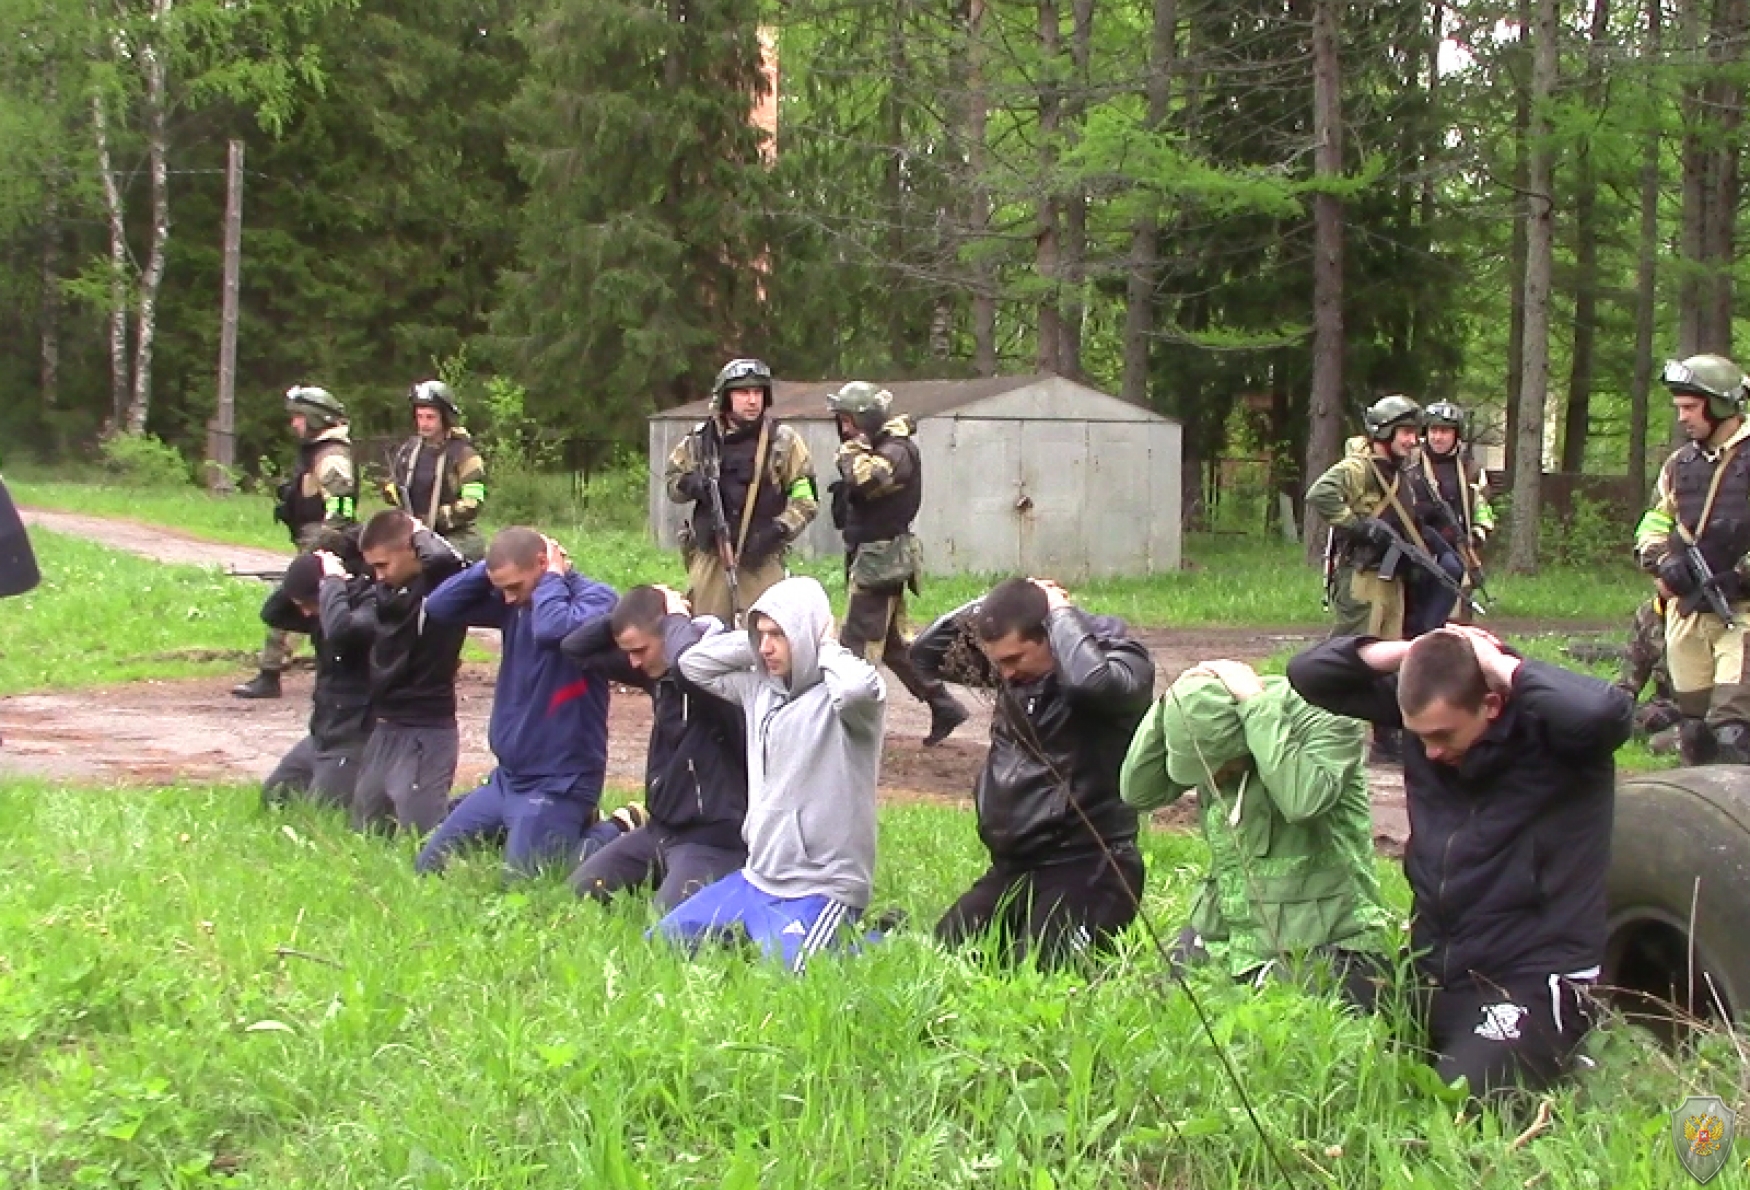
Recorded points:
(339, 506)
(474, 491)
(804, 489)
(1654, 523)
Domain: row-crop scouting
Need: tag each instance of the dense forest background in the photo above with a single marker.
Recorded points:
(1254, 216)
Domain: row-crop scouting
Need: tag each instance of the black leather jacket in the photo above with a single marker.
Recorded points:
(1056, 744)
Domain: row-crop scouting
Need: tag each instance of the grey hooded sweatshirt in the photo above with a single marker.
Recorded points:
(813, 748)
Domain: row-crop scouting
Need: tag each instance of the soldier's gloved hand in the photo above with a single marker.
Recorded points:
(763, 542)
(1674, 572)
(694, 486)
(1374, 531)
(1439, 519)
(841, 503)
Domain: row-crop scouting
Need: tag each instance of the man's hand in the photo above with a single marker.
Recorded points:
(1498, 666)
(1241, 680)
(673, 602)
(1055, 596)
(694, 485)
(558, 561)
(332, 566)
(1676, 580)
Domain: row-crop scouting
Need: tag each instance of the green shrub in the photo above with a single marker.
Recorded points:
(145, 461)
(1588, 536)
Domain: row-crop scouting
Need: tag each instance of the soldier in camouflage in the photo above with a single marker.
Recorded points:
(760, 469)
(1644, 662)
(316, 505)
(874, 501)
(437, 475)
(1704, 500)
(1457, 481)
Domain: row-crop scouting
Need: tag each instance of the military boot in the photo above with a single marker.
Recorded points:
(265, 684)
(946, 714)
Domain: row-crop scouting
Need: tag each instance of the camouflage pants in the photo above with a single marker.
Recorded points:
(708, 589)
(875, 622)
(1362, 605)
(277, 652)
(1707, 664)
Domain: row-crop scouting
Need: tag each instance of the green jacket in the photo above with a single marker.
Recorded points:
(1283, 802)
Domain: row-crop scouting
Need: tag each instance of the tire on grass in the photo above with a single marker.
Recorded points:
(1677, 949)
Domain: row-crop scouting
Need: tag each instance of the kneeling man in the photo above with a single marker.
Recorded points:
(815, 713)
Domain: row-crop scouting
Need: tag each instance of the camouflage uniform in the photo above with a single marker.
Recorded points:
(1644, 662)
(1358, 486)
(444, 486)
(325, 474)
(1703, 495)
(782, 498)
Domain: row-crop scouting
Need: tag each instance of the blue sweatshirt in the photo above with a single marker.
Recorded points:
(549, 725)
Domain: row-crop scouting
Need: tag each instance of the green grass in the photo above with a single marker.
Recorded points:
(193, 993)
(104, 616)
(1231, 580)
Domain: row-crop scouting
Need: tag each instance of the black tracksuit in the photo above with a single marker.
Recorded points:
(1047, 798)
(1507, 857)
(695, 775)
(325, 763)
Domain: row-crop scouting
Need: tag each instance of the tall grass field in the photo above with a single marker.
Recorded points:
(195, 992)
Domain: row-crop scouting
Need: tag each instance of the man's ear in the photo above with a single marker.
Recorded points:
(1492, 706)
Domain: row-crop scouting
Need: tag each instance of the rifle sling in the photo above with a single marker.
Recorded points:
(1397, 505)
(753, 487)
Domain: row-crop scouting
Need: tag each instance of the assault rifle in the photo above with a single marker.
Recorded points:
(711, 463)
(1401, 551)
(266, 576)
(1707, 587)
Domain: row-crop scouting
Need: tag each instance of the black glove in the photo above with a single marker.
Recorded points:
(694, 486)
(764, 541)
(1675, 573)
(282, 505)
(841, 504)
(1374, 531)
(1440, 519)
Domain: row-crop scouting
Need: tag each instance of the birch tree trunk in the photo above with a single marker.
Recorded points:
(158, 150)
(118, 265)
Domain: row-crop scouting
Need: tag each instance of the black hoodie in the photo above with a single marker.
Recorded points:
(695, 769)
(414, 660)
(1508, 848)
(341, 634)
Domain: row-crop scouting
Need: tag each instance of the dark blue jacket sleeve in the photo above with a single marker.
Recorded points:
(467, 598)
(563, 603)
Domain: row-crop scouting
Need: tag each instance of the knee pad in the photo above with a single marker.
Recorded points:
(1733, 739)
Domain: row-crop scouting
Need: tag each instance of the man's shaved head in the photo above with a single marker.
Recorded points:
(516, 546)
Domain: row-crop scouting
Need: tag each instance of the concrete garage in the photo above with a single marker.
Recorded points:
(1022, 475)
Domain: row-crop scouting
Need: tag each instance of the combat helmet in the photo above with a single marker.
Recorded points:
(740, 373)
(435, 394)
(867, 405)
(1713, 377)
(321, 409)
(1444, 413)
(1388, 413)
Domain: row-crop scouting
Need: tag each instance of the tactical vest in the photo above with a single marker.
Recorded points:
(735, 477)
(884, 517)
(1452, 479)
(301, 508)
(416, 470)
(1692, 476)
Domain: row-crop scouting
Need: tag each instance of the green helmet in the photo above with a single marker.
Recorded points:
(435, 394)
(1713, 377)
(741, 373)
(320, 408)
(867, 405)
(1444, 413)
(1388, 413)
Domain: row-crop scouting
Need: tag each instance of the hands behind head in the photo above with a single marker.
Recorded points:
(673, 602)
(332, 566)
(558, 561)
(1498, 666)
(1055, 595)
(1241, 680)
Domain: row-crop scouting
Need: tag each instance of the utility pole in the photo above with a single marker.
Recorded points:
(223, 447)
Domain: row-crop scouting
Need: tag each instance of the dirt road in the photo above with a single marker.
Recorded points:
(148, 733)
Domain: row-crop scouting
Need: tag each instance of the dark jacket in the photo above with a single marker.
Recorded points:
(414, 659)
(695, 768)
(549, 722)
(1055, 744)
(341, 634)
(1509, 848)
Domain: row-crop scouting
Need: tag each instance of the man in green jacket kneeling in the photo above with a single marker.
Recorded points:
(1282, 797)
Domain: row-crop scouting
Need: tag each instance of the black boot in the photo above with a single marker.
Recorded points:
(1733, 740)
(265, 684)
(946, 714)
(1696, 743)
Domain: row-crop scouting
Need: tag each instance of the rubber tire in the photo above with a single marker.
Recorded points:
(1671, 828)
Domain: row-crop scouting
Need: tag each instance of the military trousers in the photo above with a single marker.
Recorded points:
(1363, 604)
(708, 586)
(1707, 664)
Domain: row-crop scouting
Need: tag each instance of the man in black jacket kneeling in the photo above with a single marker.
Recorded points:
(1510, 776)
(337, 611)
(1065, 873)
(695, 771)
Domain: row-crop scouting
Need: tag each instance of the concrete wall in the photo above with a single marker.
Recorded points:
(1053, 479)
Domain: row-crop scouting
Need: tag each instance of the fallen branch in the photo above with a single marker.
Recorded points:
(1539, 1125)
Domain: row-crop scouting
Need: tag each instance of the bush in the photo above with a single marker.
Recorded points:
(1588, 536)
(144, 461)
